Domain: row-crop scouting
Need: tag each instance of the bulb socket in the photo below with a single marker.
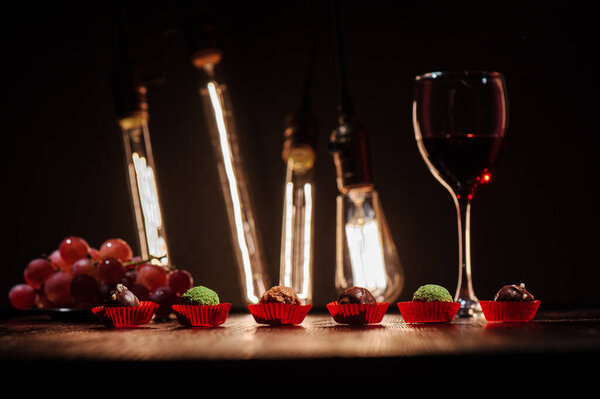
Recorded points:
(349, 146)
(299, 135)
(208, 56)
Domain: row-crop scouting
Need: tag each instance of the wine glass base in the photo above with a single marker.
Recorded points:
(469, 308)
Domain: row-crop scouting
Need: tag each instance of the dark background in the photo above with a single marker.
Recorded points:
(63, 169)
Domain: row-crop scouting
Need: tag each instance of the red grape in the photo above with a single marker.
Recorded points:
(129, 278)
(73, 248)
(58, 289)
(22, 296)
(152, 276)
(105, 291)
(116, 248)
(84, 290)
(59, 262)
(110, 270)
(180, 281)
(42, 301)
(94, 254)
(140, 291)
(84, 266)
(37, 271)
(165, 298)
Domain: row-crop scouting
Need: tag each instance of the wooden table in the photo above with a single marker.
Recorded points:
(557, 345)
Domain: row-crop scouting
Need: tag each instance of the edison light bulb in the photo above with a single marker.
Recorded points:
(144, 192)
(249, 257)
(366, 255)
(296, 263)
(132, 113)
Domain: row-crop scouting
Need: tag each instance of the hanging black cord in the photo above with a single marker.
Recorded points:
(308, 80)
(345, 106)
(306, 101)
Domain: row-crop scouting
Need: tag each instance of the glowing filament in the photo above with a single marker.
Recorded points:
(288, 227)
(244, 242)
(297, 228)
(366, 253)
(307, 238)
(148, 196)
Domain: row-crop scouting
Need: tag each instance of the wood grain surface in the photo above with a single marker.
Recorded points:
(555, 342)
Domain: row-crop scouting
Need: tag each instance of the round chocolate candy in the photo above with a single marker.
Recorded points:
(356, 295)
(123, 297)
(280, 294)
(513, 293)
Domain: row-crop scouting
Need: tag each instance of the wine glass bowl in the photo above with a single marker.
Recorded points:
(460, 120)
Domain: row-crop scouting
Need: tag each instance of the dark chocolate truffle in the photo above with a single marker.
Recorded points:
(514, 293)
(121, 296)
(280, 294)
(356, 295)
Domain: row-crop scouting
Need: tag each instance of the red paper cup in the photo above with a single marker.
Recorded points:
(509, 311)
(279, 313)
(101, 315)
(202, 315)
(357, 313)
(428, 312)
(126, 316)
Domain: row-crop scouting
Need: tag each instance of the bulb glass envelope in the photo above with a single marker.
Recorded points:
(296, 263)
(249, 258)
(366, 254)
(143, 189)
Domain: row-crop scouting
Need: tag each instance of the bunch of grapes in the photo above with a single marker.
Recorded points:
(78, 276)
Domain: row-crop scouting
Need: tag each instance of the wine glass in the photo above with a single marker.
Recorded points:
(460, 120)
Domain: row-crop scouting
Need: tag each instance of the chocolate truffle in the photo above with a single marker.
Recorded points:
(200, 296)
(514, 292)
(121, 296)
(280, 294)
(356, 295)
(432, 292)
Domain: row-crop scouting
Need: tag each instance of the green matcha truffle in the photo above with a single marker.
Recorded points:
(432, 292)
(200, 296)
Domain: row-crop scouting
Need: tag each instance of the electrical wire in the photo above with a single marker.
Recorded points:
(346, 105)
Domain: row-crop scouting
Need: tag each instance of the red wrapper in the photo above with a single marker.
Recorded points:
(357, 313)
(101, 315)
(509, 311)
(202, 315)
(279, 313)
(428, 312)
(126, 316)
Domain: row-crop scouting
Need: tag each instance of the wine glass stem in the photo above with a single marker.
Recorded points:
(464, 290)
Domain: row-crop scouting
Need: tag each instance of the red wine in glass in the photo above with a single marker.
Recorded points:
(462, 161)
(460, 121)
